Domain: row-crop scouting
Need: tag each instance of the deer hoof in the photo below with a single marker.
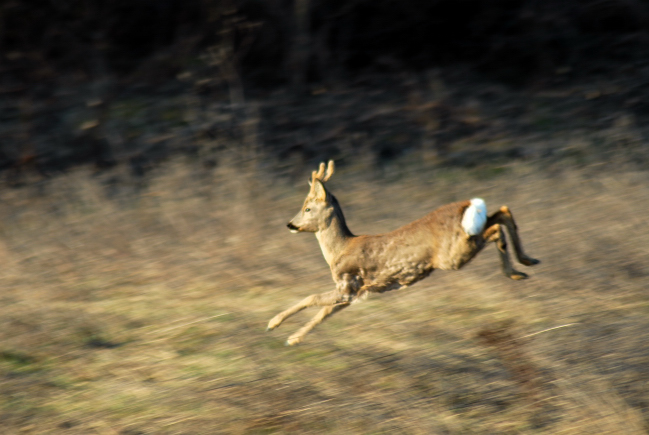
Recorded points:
(274, 323)
(529, 261)
(518, 275)
(292, 341)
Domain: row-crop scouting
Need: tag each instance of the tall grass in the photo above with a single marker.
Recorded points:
(143, 311)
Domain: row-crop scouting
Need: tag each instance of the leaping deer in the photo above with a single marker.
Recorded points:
(446, 238)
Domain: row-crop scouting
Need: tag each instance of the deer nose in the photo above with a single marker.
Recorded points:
(292, 227)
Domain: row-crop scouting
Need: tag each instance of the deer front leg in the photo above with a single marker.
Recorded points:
(317, 319)
(504, 216)
(322, 299)
(495, 233)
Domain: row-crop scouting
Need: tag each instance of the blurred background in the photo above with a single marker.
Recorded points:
(134, 82)
(152, 152)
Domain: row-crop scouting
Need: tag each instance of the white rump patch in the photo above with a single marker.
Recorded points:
(475, 217)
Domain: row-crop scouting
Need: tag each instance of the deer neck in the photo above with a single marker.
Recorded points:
(334, 237)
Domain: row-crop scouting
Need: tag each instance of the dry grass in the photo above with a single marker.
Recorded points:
(145, 313)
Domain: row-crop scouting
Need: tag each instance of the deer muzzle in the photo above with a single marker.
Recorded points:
(292, 227)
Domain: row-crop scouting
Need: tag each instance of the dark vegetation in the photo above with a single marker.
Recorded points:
(112, 82)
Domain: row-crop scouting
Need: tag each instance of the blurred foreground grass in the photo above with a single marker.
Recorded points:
(145, 313)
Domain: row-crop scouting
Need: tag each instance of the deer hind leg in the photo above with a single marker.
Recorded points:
(317, 319)
(320, 300)
(495, 233)
(504, 216)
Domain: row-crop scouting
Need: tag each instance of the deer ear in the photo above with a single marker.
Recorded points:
(319, 190)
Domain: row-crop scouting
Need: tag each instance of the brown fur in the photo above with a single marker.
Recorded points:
(390, 261)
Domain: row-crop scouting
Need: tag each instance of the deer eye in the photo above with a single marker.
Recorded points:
(307, 210)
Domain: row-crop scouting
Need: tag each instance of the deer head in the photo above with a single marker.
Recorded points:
(317, 210)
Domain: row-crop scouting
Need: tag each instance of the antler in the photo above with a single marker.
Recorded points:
(321, 175)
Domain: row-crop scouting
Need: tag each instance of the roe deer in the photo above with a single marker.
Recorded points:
(447, 239)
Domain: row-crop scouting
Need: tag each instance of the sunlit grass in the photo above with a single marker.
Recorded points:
(146, 313)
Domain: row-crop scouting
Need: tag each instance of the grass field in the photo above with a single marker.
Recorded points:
(145, 312)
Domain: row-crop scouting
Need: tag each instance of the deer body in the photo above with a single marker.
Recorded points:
(447, 238)
(408, 254)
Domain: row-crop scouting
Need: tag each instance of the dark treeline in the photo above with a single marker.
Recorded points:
(65, 63)
(279, 41)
